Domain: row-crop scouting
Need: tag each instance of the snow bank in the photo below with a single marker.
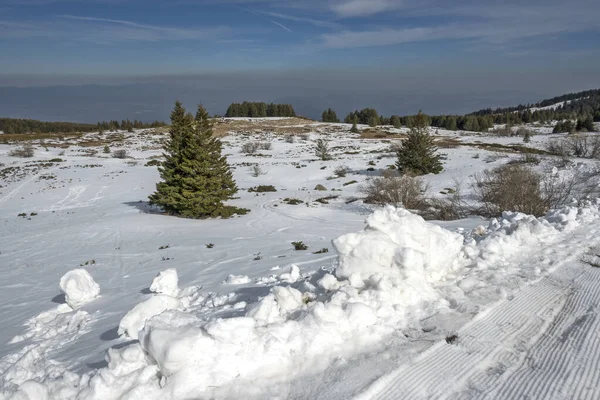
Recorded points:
(79, 287)
(385, 280)
(166, 283)
(397, 272)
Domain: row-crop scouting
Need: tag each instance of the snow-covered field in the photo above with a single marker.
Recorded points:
(104, 298)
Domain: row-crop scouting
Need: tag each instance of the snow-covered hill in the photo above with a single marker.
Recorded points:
(394, 307)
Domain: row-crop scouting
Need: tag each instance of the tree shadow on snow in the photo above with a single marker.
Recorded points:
(144, 207)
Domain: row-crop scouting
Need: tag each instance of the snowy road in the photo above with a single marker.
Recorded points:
(544, 343)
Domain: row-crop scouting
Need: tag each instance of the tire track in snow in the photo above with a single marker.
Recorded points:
(542, 344)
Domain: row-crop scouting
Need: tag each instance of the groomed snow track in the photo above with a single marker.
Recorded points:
(544, 343)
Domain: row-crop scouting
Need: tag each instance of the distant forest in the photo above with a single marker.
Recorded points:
(260, 110)
(583, 108)
(13, 125)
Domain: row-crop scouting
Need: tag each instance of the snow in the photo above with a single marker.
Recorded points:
(237, 280)
(79, 287)
(135, 319)
(166, 283)
(252, 317)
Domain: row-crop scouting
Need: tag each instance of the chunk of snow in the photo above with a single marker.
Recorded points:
(329, 282)
(79, 287)
(31, 390)
(166, 283)
(291, 276)
(135, 319)
(237, 280)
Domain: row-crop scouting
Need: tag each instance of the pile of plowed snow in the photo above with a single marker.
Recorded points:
(393, 275)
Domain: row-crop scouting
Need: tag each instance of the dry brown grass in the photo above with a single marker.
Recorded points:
(28, 137)
(375, 133)
(288, 126)
(444, 142)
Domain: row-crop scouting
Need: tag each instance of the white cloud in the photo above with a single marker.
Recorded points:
(105, 31)
(358, 8)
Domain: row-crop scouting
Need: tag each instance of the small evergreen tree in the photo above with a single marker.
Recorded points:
(395, 121)
(526, 137)
(354, 128)
(322, 150)
(196, 178)
(417, 154)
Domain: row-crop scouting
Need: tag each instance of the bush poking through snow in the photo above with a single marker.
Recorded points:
(210, 246)
(79, 287)
(265, 145)
(391, 189)
(250, 147)
(121, 153)
(341, 171)
(320, 187)
(292, 201)
(451, 339)
(257, 171)
(23, 152)
(289, 138)
(262, 189)
(299, 246)
(519, 188)
(322, 251)
(322, 150)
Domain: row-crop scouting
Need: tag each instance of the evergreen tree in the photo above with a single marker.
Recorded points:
(196, 178)
(395, 121)
(322, 150)
(354, 128)
(526, 137)
(450, 124)
(329, 116)
(418, 152)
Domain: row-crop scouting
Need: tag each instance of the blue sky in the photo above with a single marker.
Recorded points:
(123, 37)
(396, 55)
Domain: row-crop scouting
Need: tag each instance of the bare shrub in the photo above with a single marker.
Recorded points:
(341, 171)
(557, 147)
(289, 138)
(505, 131)
(519, 188)
(24, 152)
(305, 136)
(265, 145)
(257, 171)
(250, 147)
(450, 208)
(405, 190)
(121, 153)
(584, 146)
(526, 158)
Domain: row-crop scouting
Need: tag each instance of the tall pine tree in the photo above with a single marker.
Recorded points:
(196, 178)
(417, 154)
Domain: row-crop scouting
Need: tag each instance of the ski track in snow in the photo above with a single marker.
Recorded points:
(542, 344)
